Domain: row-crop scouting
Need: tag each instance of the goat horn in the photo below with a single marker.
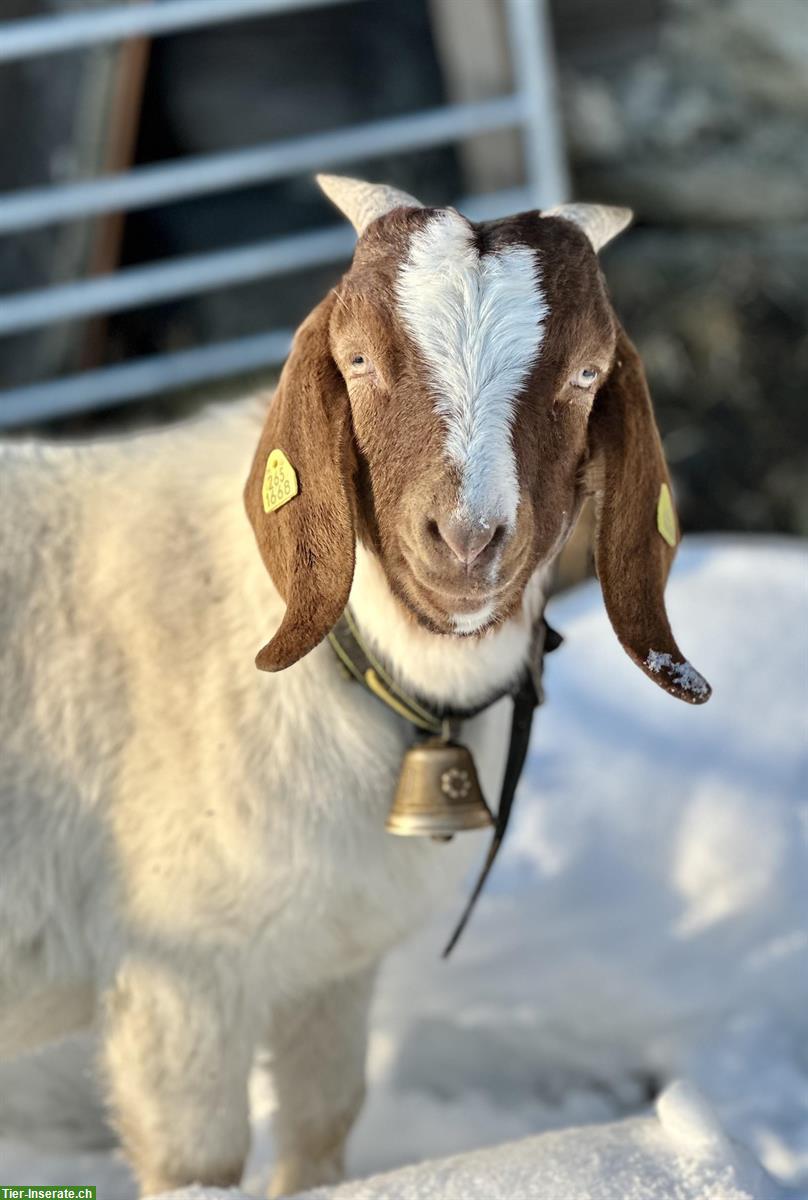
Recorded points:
(363, 202)
(600, 222)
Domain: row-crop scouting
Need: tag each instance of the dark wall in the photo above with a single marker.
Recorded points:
(694, 115)
(263, 81)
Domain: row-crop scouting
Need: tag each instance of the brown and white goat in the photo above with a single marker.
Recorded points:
(193, 854)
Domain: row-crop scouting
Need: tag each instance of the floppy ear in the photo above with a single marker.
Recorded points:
(637, 531)
(298, 494)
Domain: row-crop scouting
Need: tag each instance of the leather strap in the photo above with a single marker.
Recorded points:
(525, 702)
(359, 661)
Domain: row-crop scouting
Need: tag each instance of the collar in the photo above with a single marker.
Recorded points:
(360, 663)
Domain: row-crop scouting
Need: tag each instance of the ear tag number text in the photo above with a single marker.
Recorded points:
(280, 482)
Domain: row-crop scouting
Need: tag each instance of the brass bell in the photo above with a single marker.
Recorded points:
(438, 792)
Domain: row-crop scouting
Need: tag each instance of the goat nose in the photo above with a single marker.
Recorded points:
(465, 539)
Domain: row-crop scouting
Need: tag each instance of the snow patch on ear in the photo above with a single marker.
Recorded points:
(682, 674)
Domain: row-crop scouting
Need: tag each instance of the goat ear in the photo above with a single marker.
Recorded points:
(637, 531)
(298, 495)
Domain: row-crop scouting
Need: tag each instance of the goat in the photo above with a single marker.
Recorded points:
(192, 854)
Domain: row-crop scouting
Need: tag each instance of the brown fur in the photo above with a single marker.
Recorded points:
(369, 455)
(308, 545)
(631, 557)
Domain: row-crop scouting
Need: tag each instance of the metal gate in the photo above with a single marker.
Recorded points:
(531, 108)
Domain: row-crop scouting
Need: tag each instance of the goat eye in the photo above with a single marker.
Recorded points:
(585, 377)
(361, 365)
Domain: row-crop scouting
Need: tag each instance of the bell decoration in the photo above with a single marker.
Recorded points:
(438, 793)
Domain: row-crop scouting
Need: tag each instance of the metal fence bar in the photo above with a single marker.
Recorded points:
(146, 186)
(142, 378)
(164, 373)
(535, 78)
(72, 31)
(533, 107)
(187, 276)
(135, 287)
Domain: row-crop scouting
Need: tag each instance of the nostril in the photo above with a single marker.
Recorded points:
(499, 534)
(433, 531)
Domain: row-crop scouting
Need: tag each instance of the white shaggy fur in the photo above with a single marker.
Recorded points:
(192, 852)
(438, 668)
(471, 622)
(478, 321)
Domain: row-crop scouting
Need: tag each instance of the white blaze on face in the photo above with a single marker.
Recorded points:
(478, 321)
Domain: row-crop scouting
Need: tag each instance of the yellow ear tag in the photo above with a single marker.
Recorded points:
(665, 516)
(280, 482)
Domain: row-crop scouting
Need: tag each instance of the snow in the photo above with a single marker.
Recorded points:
(682, 673)
(681, 1156)
(646, 922)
